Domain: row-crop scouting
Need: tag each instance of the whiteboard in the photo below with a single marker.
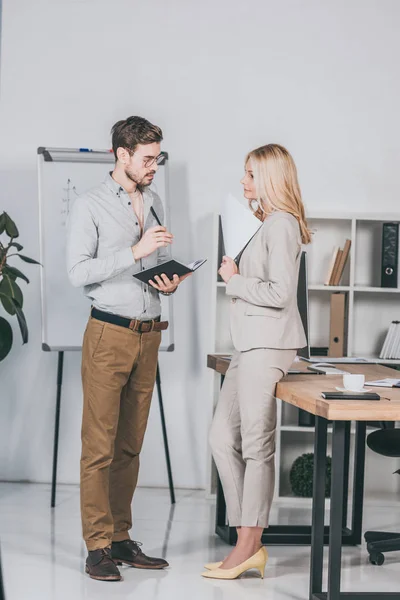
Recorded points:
(64, 174)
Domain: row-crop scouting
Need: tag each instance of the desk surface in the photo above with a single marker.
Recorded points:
(304, 391)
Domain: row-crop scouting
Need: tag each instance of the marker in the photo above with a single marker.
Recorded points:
(153, 212)
(91, 150)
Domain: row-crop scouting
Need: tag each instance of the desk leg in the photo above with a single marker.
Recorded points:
(358, 481)
(346, 472)
(336, 513)
(221, 504)
(318, 509)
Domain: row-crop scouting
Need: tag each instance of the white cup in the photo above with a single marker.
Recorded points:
(353, 382)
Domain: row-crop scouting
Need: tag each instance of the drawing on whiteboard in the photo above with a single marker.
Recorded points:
(69, 195)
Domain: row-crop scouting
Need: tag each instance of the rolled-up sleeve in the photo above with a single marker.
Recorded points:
(84, 268)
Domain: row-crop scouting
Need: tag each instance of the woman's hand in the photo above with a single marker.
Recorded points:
(228, 268)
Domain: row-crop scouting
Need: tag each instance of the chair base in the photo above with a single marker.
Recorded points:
(379, 542)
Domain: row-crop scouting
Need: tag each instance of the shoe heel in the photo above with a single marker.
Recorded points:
(86, 569)
(262, 570)
(118, 563)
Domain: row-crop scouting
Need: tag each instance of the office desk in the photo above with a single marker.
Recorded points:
(304, 392)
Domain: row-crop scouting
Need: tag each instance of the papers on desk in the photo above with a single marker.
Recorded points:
(326, 369)
(387, 382)
(343, 359)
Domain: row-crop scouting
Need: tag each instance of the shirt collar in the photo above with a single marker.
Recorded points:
(117, 189)
(113, 185)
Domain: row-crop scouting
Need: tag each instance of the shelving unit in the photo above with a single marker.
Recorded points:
(370, 311)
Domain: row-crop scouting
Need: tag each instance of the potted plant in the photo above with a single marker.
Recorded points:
(11, 296)
(302, 476)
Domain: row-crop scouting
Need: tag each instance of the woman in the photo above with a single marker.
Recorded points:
(266, 331)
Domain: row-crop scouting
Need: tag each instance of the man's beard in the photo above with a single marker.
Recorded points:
(140, 182)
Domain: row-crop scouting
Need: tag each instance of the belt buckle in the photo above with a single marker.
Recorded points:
(134, 325)
(151, 322)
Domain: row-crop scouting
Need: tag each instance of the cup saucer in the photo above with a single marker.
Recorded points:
(363, 391)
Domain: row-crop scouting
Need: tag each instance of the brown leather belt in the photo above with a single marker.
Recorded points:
(134, 324)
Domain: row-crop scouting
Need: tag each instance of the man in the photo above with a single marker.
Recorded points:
(112, 234)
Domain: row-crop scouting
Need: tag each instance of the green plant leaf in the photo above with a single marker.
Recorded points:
(18, 296)
(27, 259)
(17, 246)
(6, 271)
(7, 303)
(2, 223)
(11, 228)
(6, 287)
(14, 273)
(11, 289)
(6, 338)
(22, 323)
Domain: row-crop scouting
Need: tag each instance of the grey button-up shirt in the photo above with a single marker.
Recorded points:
(102, 227)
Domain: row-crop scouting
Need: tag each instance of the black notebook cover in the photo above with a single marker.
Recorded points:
(169, 268)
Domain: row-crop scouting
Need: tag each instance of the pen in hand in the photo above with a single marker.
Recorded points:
(153, 212)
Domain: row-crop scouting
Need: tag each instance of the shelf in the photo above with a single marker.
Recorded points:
(329, 288)
(341, 288)
(376, 290)
(378, 217)
(330, 216)
(381, 361)
(298, 428)
(306, 502)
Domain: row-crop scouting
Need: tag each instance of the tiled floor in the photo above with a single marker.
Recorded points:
(43, 556)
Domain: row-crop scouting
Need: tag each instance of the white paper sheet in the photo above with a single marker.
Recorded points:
(238, 225)
(387, 382)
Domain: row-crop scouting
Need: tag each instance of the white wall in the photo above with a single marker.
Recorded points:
(220, 77)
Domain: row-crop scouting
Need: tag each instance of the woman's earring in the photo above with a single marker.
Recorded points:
(254, 205)
(257, 206)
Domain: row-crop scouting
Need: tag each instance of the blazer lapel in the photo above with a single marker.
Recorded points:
(239, 256)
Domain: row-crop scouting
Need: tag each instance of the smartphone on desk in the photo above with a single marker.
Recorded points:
(350, 396)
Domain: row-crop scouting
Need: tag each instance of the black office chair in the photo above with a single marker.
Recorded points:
(385, 441)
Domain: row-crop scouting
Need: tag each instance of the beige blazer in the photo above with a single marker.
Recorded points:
(264, 312)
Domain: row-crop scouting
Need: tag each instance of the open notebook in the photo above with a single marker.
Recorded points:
(169, 268)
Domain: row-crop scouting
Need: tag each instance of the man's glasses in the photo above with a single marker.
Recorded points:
(148, 162)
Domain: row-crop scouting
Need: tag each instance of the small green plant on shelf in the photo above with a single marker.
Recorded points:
(11, 296)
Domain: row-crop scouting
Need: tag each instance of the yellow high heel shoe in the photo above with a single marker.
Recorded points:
(257, 561)
(212, 566)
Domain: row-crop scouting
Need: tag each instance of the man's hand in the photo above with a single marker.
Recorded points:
(154, 238)
(165, 285)
(228, 268)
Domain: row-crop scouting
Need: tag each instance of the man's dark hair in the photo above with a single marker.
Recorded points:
(131, 132)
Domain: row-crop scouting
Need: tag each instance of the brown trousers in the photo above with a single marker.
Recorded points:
(118, 374)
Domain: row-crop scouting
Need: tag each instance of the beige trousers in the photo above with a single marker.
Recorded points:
(118, 374)
(242, 435)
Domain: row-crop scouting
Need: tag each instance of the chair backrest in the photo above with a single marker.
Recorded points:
(385, 442)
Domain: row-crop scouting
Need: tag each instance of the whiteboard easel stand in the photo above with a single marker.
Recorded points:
(60, 368)
(2, 592)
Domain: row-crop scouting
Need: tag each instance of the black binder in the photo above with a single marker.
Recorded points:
(390, 255)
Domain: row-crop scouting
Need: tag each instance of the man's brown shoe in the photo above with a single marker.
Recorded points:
(100, 565)
(128, 552)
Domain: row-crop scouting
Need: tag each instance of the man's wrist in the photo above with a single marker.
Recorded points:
(135, 252)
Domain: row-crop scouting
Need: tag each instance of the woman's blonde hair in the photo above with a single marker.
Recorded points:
(277, 187)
